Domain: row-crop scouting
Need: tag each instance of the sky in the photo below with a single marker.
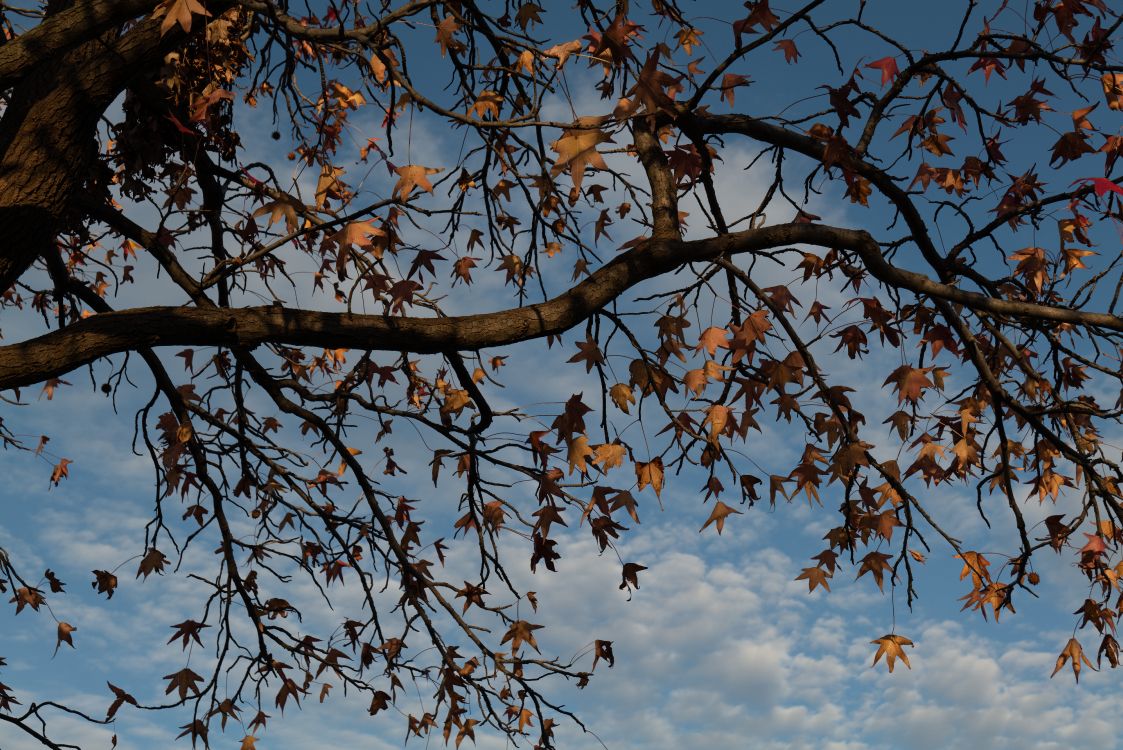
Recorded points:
(720, 647)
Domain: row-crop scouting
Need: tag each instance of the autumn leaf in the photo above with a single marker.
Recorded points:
(629, 576)
(519, 632)
(815, 577)
(609, 455)
(105, 583)
(60, 471)
(413, 176)
(712, 339)
(603, 650)
(887, 66)
(650, 473)
(1100, 185)
(64, 635)
(178, 12)
(621, 395)
(577, 149)
(561, 52)
(183, 681)
(787, 46)
(152, 562)
(718, 515)
(357, 233)
(120, 697)
(892, 648)
(577, 454)
(487, 103)
(1073, 652)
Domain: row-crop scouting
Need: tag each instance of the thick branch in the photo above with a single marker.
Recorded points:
(98, 336)
(79, 23)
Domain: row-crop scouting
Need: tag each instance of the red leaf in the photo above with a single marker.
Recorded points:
(1101, 185)
(888, 68)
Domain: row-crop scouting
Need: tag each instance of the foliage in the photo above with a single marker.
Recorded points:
(316, 302)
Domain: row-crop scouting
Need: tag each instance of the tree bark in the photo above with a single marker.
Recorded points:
(48, 146)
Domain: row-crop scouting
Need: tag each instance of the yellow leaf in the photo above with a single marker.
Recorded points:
(579, 452)
(609, 455)
(621, 394)
(650, 472)
(891, 646)
(411, 176)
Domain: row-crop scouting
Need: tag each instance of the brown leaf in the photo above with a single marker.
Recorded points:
(64, 631)
(892, 647)
(718, 515)
(519, 632)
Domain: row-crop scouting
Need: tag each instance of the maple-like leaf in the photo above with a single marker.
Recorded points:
(621, 395)
(105, 583)
(120, 697)
(413, 176)
(487, 103)
(609, 455)
(60, 471)
(650, 472)
(887, 66)
(1100, 185)
(519, 632)
(1073, 652)
(712, 339)
(152, 562)
(178, 12)
(577, 149)
(892, 648)
(561, 52)
(629, 576)
(718, 515)
(579, 451)
(791, 52)
(64, 635)
(183, 681)
(815, 577)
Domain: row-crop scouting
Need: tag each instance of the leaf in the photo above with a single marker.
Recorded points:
(1100, 185)
(888, 68)
(105, 583)
(579, 451)
(650, 473)
(712, 339)
(60, 471)
(729, 82)
(609, 455)
(120, 697)
(1113, 89)
(183, 681)
(519, 632)
(178, 12)
(892, 647)
(487, 103)
(577, 149)
(64, 631)
(718, 515)
(413, 176)
(153, 562)
(621, 395)
(815, 577)
(787, 46)
(561, 52)
(1075, 652)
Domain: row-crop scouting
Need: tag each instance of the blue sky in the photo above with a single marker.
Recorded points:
(719, 648)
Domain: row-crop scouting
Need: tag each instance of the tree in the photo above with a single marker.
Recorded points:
(153, 237)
